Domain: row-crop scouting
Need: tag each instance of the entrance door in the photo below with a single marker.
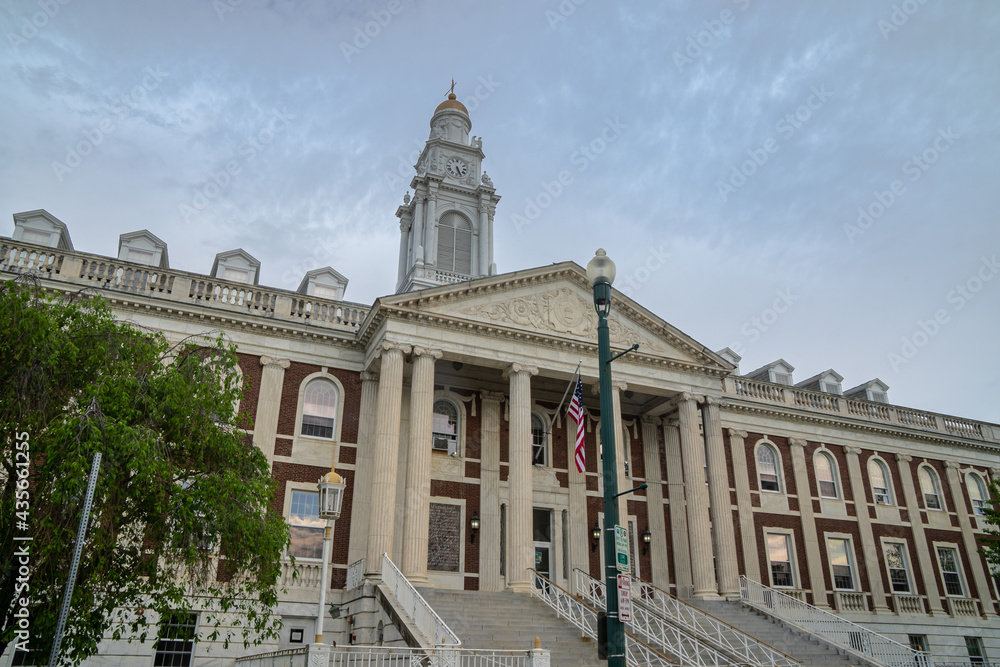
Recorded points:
(542, 519)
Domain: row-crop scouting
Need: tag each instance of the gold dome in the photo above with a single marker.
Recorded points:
(452, 103)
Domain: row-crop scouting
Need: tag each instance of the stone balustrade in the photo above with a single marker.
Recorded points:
(834, 404)
(963, 607)
(851, 601)
(908, 604)
(84, 270)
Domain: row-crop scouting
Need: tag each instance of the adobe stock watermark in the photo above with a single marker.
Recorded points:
(223, 7)
(365, 33)
(632, 283)
(564, 10)
(768, 317)
(786, 128)
(118, 111)
(900, 14)
(958, 297)
(581, 158)
(247, 150)
(714, 30)
(48, 9)
(485, 87)
(915, 168)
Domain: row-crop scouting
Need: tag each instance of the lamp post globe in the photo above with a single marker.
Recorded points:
(601, 274)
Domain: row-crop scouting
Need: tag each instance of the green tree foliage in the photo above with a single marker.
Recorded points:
(180, 516)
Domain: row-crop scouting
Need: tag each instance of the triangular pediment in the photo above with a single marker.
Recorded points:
(553, 301)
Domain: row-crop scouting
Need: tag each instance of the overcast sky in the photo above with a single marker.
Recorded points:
(810, 181)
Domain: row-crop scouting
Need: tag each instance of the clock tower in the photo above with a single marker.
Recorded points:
(446, 229)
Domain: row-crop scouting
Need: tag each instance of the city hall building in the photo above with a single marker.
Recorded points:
(439, 406)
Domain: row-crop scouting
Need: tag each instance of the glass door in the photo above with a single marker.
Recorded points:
(542, 519)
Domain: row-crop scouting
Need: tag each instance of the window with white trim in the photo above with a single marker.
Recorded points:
(977, 493)
(175, 647)
(896, 564)
(929, 488)
(539, 441)
(879, 477)
(977, 654)
(839, 551)
(445, 427)
(825, 475)
(305, 528)
(319, 409)
(767, 468)
(779, 555)
(948, 562)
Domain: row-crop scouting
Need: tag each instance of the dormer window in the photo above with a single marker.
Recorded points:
(878, 396)
(41, 228)
(142, 247)
(237, 266)
(324, 283)
(781, 378)
(36, 237)
(873, 390)
(778, 372)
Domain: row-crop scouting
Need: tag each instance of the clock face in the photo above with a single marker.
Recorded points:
(457, 168)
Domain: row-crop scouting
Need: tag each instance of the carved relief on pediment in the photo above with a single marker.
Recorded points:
(562, 311)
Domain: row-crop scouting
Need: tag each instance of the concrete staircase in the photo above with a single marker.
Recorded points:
(511, 621)
(797, 644)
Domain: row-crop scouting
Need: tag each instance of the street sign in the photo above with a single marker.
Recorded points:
(624, 598)
(621, 549)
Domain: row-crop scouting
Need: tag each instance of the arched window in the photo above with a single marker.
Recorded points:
(767, 468)
(319, 409)
(445, 427)
(977, 492)
(929, 487)
(539, 441)
(879, 478)
(826, 476)
(454, 244)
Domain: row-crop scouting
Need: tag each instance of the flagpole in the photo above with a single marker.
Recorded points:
(572, 383)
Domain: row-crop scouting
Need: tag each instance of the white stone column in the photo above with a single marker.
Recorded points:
(869, 550)
(522, 549)
(678, 507)
(817, 583)
(431, 249)
(960, 504)
(418, 229)
(362, 491)
(383, 505)
(696, 495)
(624, 481)
(418, 466)
(927, 568)
(654, 503)
(265, 425)
(489, 493)
(484, 239)
(720, 504)
(579, 530)
(744, 505)
(404, 249)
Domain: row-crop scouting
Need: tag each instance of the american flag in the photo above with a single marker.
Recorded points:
(575, 411)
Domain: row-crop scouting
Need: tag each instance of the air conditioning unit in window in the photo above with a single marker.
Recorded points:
(881, 499)
(444, 444)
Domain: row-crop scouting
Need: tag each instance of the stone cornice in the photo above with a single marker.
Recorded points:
(831, 419)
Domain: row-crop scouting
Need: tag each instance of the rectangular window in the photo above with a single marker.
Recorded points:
(974, 645)
(779, 555)
(304, 525)
(839, 551)
(895, 561)
(948, 560)
(175, 648)
(919, 643)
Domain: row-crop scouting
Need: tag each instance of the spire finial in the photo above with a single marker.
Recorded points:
(451, 93)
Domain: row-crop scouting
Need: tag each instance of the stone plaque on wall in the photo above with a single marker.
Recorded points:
(444, 542)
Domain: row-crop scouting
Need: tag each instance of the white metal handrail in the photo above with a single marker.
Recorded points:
(416, 607)
(856, 639)
(296, 657)
(674, 640)
(708, 629)
(637, 652)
